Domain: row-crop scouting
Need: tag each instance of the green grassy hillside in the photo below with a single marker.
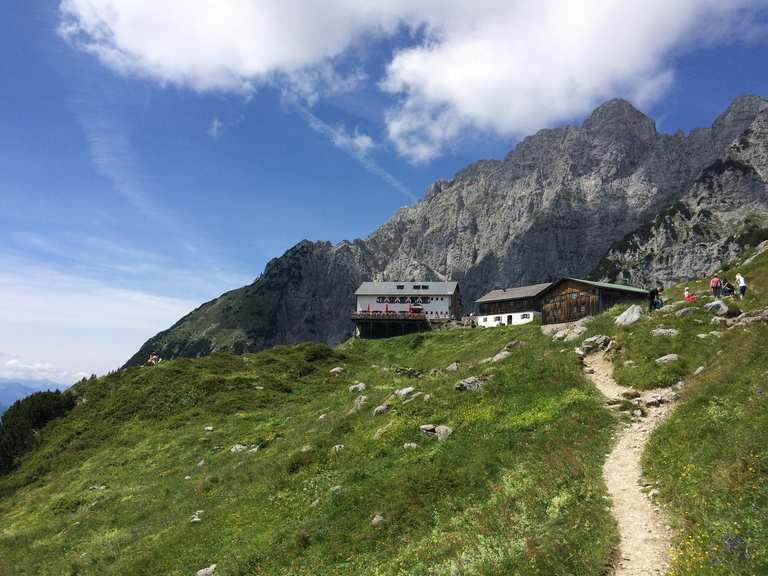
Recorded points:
(516, 488)
(113, 486)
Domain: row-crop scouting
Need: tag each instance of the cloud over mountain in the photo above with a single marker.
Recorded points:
(498, 66)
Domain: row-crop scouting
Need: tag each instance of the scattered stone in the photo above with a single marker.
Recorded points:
(443, 432)
(453, 367)
(187, 477)
(652, 494)
(503, 355)
(470, 384)
(668, 359)
(337, 449)
(306, 448)
(685, 312)
(575, 333)
(209, 428)
(629, 316)
(718, 321)
(630, 394)
(665, 332)
(359, 387)
(336, 490)
(715, 333)
(427, 397)
(579, 352)
(589, 370)
(238, 448)
(412, 397)
(599, 342)
(378, 519)
(380, 432)
(718, 308)
(323, 416)
(357, 405)
(336, 371)
(201, 464)
(207, 571)
(315, 503)
(196, 517)
(404, 391)
(679, 386)
(698, 370)
(409, 372)
(637, 413)
(630, 363)
(381, 409)
(411, 446)
(560, 335)
(702, 336)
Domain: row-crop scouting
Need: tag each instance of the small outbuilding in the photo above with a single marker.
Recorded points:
(564, 300)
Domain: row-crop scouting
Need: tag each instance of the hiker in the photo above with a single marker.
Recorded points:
(153, 359)
(742, 283)
(727, 288)
(688, 297)
(716, 286)
(653, 298)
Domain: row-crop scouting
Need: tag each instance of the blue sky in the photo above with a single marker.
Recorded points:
(147, 171)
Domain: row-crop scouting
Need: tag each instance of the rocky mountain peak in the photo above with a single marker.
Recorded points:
(618, 118)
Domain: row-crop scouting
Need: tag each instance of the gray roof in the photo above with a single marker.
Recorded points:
(391, 288)
(514, 293)
(609, 286)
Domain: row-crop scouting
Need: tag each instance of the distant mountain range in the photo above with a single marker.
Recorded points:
(12, 390)
(612, 198)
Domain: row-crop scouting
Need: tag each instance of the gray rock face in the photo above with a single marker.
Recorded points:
(612, 196)
(722, 209)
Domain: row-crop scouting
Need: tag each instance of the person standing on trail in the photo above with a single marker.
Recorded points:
(742, 284)
(653, 296)
(716, 286)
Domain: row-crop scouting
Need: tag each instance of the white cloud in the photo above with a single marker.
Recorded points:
(59, 326)
(501, 66)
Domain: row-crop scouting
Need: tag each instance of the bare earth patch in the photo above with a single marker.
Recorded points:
(643, 527)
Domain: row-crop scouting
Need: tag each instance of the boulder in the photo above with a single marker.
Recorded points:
(629, 316)
(380, 409)
(357, 405)
(359, 387)
(453, 367)
(575, 333)
(443, 432)
(717, 307)
(403, 392)
(377, 520)
(470, 384)
(599, 342)
(336, 371)
(412, 397)
(337, 449)
(715, 333)
(411, 446)
(201, 463)
(685, 312)
(668, 359)
(671, 332)
(238, 448)
(637, 413)
(560, 335)
(209, 571)
(209, 428)
(698, 370)
(503, 355)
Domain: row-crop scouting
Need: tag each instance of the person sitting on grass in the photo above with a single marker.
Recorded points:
(688, 297)
(727, 287)
(654, 301)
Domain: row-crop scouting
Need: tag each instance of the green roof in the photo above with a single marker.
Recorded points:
(609, 286)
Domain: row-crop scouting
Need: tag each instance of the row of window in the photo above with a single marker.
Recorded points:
(407, 299)
(415, 286)
(498, 318)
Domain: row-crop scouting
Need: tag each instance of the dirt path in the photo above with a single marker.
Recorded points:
(644, 529)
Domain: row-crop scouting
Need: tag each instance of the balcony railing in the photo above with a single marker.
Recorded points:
(389, 315)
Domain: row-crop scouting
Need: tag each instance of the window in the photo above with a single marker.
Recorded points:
(400, 287)
(485, 319)
(497, 318)
(416, 287)
(425, 286)
(380, 300)
(525, 316)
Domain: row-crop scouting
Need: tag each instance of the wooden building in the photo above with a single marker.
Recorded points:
(564, 300)
(386, 309)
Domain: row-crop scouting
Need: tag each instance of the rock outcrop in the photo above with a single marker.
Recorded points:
(555, 206)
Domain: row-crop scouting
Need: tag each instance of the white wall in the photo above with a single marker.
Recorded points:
(503, 319)
(437, 307)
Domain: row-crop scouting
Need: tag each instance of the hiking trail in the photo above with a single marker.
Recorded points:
(643, 527)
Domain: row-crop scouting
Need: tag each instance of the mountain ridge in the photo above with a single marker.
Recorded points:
(556, 205)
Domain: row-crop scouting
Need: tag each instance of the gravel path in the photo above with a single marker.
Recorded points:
(643, 527)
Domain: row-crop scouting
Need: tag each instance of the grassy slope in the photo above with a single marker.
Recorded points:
(515, 490)
(711, 456)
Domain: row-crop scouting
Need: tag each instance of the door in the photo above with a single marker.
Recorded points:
(509, 320)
